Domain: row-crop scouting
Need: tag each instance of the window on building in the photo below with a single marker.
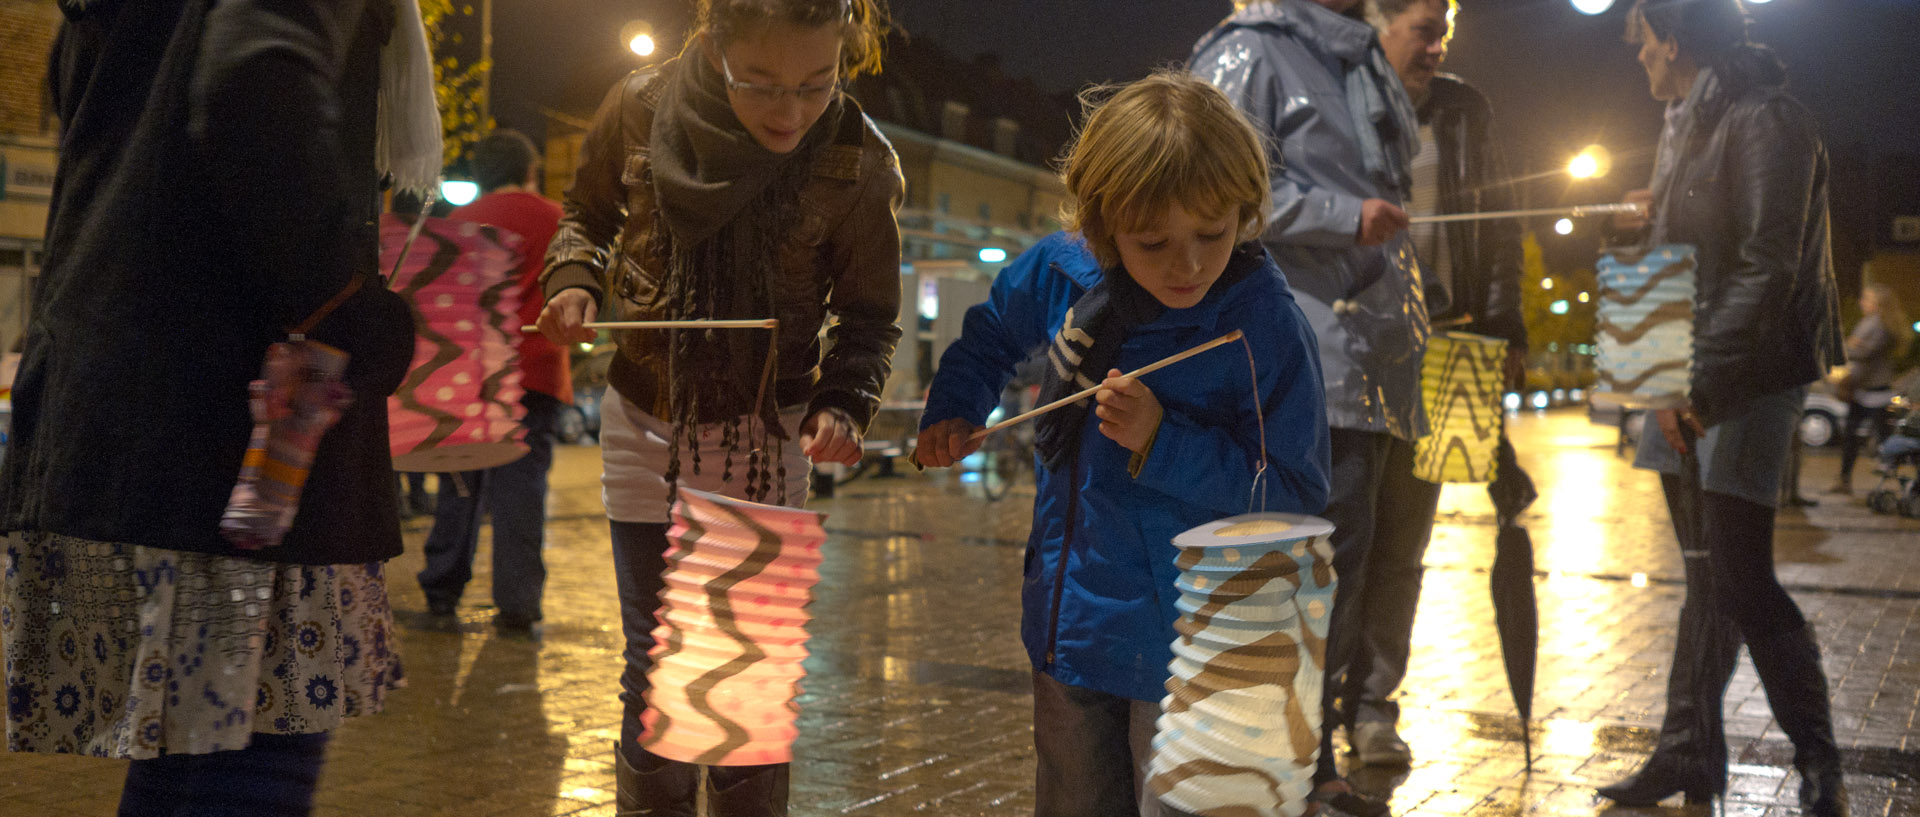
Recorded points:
(986, 211)
(944, 203)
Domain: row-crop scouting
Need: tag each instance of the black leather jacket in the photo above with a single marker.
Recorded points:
(1749, 190)
(1486, 255)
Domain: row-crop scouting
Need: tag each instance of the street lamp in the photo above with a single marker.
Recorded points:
(1563, 226)
(638, 35)
(1592, 6)
(1592, 162)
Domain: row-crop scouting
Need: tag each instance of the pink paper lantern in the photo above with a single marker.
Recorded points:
(459, 408)
(732, 633)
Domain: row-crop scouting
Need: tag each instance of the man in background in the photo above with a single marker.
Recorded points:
(506, 166)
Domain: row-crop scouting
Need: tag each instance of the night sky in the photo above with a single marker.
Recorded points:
(1558, 79)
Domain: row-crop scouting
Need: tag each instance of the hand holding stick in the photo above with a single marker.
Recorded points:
(1085, 393)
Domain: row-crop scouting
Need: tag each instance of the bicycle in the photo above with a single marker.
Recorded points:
(1007, 455)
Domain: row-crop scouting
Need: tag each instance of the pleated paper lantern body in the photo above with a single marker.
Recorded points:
(1646, 325)
(1461, 382)
(459, 408)
(732, 631)
(1240, 727)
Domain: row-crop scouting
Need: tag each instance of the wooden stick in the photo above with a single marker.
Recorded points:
(768, 323)
(1575, 211)
(1151, 367)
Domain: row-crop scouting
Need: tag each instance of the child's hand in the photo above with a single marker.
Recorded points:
(829, 435)
(1128, 411)
(945, 443)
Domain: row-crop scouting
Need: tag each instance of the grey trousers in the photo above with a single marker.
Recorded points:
(1091, 751)
(1390, 591)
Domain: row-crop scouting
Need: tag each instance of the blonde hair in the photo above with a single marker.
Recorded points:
(1892, 316)
(1168, 139)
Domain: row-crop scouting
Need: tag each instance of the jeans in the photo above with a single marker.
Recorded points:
(1091, 752)
(515, 495)
(1359, 470)
(1385, 598)
(1850, 441)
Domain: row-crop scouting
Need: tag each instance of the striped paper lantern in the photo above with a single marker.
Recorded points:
(1239, 730)
(732, 631)
(1646, 325)
(459, 407)
(1462, 380)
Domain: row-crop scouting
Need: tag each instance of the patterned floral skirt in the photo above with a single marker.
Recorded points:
(118, 650)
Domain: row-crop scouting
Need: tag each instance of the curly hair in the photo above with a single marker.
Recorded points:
(865, 21)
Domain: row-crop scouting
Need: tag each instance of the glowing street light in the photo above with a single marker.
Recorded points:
(1592, 162)
(1592, 6)
(638, 35)
(1563, 226)
(458, 193)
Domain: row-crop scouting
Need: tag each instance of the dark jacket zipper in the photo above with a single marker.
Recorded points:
(1066, 545)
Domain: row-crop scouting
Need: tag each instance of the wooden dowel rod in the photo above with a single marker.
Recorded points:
(1151, 367)
(1577, 211)
(768, 323)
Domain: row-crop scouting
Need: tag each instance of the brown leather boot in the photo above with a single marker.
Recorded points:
(665, 789)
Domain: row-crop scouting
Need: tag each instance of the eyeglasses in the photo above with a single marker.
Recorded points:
(809, 95)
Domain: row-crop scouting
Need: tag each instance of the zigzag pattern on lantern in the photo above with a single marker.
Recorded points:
(732, 633)
(1462, 379)
(1239, 730)
(459, 407)
(1645, 324)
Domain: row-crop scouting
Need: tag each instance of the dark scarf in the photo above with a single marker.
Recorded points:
(727, 204)
(1088, 346)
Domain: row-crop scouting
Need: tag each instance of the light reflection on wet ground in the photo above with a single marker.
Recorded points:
(917, 698)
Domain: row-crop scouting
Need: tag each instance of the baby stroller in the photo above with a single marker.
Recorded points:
(1899, 467)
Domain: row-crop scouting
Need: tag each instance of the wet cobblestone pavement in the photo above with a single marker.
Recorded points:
(917, 696)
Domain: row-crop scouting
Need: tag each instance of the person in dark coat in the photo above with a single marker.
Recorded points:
(1741, 176)
(216, 186)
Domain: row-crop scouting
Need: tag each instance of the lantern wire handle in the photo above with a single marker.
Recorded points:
(1260, 418)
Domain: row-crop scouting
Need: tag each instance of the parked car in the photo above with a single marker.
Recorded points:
(1822, 417)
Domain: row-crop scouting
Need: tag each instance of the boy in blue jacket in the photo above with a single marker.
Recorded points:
(1169, 188)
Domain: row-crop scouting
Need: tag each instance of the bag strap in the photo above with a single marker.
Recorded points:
(300, 332)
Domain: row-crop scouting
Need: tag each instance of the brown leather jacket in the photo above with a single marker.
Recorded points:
(844, 258)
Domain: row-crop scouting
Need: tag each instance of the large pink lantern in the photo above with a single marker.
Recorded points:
(459, 408)
(732, 631)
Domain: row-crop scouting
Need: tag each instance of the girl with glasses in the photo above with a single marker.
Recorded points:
(734, 181)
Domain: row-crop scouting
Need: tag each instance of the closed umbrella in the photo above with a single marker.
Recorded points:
(1516, 614)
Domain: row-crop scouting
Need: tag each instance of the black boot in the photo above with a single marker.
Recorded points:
(666, 788)
(748, 791)
(1691, 755)
(1796, 686)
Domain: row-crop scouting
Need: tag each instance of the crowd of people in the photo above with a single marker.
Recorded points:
(1264, 187)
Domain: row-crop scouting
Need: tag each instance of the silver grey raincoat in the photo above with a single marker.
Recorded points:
(1308, 77)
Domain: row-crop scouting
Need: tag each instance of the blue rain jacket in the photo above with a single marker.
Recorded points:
(1286, 65)
(1097, 599)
